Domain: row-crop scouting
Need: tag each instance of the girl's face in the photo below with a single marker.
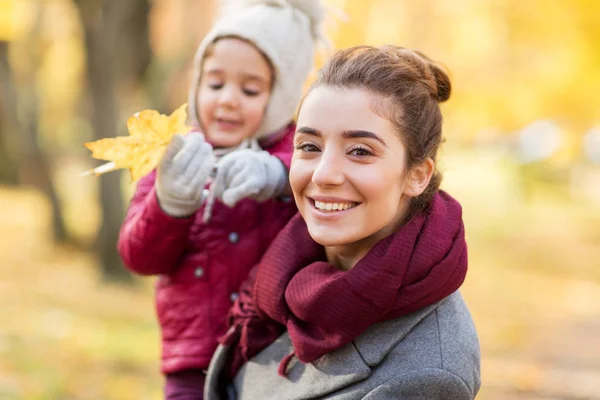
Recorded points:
(234, 92)
(348, 170)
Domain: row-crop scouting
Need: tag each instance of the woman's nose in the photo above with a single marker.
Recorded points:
(329, 170)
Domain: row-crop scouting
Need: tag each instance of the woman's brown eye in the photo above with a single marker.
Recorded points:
(307, 147)
(361, 152)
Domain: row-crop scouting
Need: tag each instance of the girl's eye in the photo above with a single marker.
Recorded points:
(251, 93)
(215, 86)
(307, 147)
(360, 152)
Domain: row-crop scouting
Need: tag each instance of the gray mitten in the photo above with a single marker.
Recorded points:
(182, 174)
(249, 173)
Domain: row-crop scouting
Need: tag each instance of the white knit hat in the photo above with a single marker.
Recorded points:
(286, 31)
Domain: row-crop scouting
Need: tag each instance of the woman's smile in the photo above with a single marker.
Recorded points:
(331, 207)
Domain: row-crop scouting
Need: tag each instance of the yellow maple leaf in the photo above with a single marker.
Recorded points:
(149, 134)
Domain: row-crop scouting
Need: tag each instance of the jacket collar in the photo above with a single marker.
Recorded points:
(330, 373)
(377, 341)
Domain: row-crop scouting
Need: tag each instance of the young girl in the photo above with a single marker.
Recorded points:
(248, 77)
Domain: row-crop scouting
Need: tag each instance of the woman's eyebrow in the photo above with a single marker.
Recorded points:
(362, 134)
(308, 131)
(352, 134)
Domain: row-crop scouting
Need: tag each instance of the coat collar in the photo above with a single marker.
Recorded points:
(377, 341)
(327, 374)
(330, 373)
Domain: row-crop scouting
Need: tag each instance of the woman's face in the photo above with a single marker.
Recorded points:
(234, 92)
(348, 170)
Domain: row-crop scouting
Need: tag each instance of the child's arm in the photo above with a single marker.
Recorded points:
(150, 241)
(155, 232)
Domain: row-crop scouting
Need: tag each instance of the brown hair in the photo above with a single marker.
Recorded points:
(411, 86)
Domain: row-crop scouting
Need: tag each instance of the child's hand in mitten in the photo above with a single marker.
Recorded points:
(249, 173)
(182, 174)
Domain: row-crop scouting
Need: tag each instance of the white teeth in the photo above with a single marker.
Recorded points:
(333, 206)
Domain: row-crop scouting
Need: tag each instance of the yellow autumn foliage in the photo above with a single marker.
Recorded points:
(149, 134)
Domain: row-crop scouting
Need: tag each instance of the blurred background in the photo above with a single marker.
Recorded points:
(522, 155)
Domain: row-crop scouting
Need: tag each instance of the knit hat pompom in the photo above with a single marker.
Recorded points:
(313, 9)
(286, 32)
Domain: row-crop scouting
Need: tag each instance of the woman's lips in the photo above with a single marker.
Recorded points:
(334, 206)
(329, 206)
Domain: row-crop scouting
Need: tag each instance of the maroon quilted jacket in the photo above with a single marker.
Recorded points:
(201, 266)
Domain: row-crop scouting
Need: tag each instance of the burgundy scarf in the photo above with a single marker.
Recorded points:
(323, 308)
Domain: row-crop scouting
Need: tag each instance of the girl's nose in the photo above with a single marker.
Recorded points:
(229, 97)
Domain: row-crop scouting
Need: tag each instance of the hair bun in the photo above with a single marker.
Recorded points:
(441, 87)
(313, 9)
(442, 81)
(432, 74)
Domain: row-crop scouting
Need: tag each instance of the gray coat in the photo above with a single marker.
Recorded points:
(430, 354)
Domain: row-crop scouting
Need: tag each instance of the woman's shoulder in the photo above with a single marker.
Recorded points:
(439, 340)
(448, 322)
(455, 325)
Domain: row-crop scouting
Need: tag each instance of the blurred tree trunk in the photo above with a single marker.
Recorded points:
(164, 73)
(8, 164)
(33, 166)
(132, 43)
(117, 53)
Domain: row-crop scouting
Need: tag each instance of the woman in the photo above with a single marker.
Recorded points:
(357, 296)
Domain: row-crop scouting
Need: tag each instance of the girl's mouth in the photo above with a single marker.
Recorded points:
(227, 123)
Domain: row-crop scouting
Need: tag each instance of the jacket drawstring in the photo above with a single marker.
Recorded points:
(283, 365)
(231, 336)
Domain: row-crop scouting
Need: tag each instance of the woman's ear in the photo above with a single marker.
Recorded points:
(419, 177)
